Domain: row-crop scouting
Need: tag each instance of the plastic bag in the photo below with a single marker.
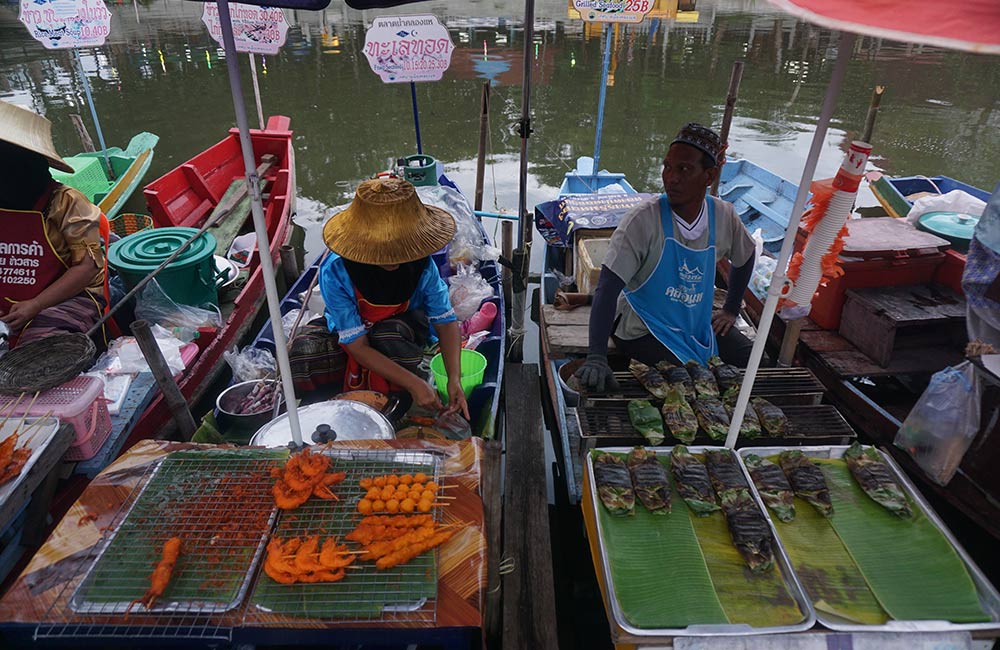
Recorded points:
(155, 306)
(252, 363)
(763, 271)
(953, 201)
(943, 423)
(125, 357)
(468, 291)
(242, 248)
(468, 246)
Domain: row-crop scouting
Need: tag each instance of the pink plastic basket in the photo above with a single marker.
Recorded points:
(80, 403)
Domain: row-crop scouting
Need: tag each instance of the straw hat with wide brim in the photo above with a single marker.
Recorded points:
(387, 224)
(22, 128)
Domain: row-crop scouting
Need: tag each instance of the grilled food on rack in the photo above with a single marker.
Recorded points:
(614, 485)
(749, 530)
(650, 378)
(875, 478)
(691, 479)
(650, 480)
(704, 381)
(646, 420)
(677, 377)
(12, 457)
(725, 473)
(712, 417)
(726, 375)
(807, 480)
(304, 475)
(297, 560)
(773, 486)
(159, 579)
(681, 421)
(750, 426)
(773, 420)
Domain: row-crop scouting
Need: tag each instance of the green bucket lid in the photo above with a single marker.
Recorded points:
(146, 250)
(953, 226)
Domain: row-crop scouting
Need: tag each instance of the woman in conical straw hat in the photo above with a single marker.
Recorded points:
(52, 264)
(383, 293)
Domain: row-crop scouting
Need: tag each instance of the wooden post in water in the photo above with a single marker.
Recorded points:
(866, 135)
(484, 122)
(164, 378)
(81, 131)
(727, 118)
(289, 265)
(507, 250)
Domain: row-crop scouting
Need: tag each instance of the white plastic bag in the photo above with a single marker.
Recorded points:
(468, 291)
(953, 201)
(125, 357)
(155, 306)
(251, 363)
(943, 422)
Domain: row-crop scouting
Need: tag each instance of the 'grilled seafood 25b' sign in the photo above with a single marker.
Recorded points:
(613, 11)
(402, 49)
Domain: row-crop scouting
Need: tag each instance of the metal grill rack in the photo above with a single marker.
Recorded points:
(406, 593)
(219, 503)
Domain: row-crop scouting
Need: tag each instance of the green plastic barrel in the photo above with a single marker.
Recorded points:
(188, 280)
(420, 170)
(473, 370)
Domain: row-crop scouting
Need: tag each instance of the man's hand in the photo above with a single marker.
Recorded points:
(722, 322)
(424, 396)
(456, 399)
(596, 374)
(21, 313)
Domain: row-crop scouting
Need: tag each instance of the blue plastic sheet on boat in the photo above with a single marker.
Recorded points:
(558, 220)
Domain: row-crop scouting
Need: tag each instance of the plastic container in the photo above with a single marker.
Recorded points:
(473, 370)
(189, 280)
(420, 170)
(80, 403)
(590, 254)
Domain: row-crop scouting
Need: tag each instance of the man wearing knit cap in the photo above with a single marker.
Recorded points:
(657, 282)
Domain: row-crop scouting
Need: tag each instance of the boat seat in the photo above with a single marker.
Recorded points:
(765, 210)
(728, 188)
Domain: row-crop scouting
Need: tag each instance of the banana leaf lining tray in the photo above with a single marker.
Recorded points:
(876, 556)
(711, 569)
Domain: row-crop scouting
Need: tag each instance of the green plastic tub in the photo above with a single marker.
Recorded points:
(473, 369)
(189, 280)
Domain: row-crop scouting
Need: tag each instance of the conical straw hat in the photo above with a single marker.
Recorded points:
(25, 129)
(387, 224)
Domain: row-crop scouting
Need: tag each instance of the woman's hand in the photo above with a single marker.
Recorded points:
(456, 399)
(424, 396)
(21, 313)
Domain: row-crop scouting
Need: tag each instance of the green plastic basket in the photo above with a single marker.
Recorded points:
(473, 370)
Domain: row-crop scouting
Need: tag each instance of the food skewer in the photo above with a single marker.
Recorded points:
(34, 428)
(26, 411)
(12, 407)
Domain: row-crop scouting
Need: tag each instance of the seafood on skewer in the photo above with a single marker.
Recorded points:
(646, 420)
(677, 377)
(704, 381)
(681, 421)
(773, 486)
(874, 477)
(650, 480)
(807, 480)
(159, 579)
(614, 485)
(650, 378)
(691, 479)
(304, 475)
(712, 417)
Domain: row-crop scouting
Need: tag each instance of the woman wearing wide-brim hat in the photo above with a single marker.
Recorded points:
(383, 293)
(52, 264)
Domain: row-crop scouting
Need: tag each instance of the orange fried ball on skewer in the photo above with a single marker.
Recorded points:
(365, 483)
(407, 505)
(379, 481)
(405, 479)
(392, 480)
(424, 505)
(432, 486)
(419, 477)
(392, 506)
(365, 507)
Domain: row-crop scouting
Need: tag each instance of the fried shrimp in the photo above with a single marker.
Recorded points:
(160, 577)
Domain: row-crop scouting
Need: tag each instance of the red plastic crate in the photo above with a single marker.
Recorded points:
(950, 272)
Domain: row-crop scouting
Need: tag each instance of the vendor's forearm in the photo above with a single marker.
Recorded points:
(71, 283)
(380, 364)
(451, 348)
(602, 310)
(739, 280)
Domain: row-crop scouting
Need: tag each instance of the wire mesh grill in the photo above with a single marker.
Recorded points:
(405, 593)
(219, 503)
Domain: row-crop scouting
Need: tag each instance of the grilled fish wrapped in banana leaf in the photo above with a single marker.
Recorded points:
(772, 419)
(679, 416)
(678, 377)
(704, 381)
(614, 484)
(874, 477)
(646, 420)
(725, 473)
(749, 530)
(691, 479)
(807, 480)
(772, 484)
(712, 417)
(650, 378)
(726, 374)
(750, 426)
(650, 480)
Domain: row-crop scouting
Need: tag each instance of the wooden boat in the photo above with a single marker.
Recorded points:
(898, 194)
(484, 400)
(90, 175)
(762, 199)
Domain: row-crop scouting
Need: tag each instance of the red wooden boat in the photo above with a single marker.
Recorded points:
(186, 196)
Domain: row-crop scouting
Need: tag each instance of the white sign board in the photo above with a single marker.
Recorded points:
(613, 11)
(66, 24)
(402, 49)
(256, 30)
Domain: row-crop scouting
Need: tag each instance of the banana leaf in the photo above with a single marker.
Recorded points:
(726, 374)
(692, 481)
(677, 377)
(806, 480)
(679, 416)
(712, 417)
(874, 477)
(646, 420)
(614, 484)
(772, 419)
(772, 484)
(649, 378)
(704, 381)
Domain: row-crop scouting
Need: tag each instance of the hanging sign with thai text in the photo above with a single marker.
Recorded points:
(256, 30)
(66, 24)
(401, 49)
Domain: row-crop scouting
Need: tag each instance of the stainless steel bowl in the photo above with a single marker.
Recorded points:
(350, 420)
(244, 423)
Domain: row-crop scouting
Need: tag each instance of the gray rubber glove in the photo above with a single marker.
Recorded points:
(596, 374)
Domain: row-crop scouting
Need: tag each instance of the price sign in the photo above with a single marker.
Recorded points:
(256, 30)
(66, 24)
(401, 49)
(613, 11)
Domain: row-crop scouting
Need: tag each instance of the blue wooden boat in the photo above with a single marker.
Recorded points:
(897, 194)
(762, 199)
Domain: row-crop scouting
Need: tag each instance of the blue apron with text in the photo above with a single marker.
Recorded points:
(675, 302)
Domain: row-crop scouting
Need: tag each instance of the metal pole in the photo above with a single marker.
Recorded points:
(484, 122)
(522, 256)
(93, 114)
(178, 406)
(602, 94)
(727, 118)
(256, 90)
(779, 280)
(416, 116)
(260, 226)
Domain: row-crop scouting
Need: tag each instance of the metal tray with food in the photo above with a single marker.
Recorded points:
(675, 571)
(871, 554)
(22, 442)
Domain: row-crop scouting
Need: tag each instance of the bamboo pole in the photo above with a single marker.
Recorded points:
(727, 118)
(484, 124)
(176, 403)
(81, 131)
(873, 107)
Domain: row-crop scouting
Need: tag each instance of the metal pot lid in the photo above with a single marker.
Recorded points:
(146, 250)
(956, 225)
(349, 420)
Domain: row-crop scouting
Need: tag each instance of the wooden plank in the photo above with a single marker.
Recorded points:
(492, 494)
(235, 208)
(912, 304)
(529, 615)
(883, 236)
(578, 316)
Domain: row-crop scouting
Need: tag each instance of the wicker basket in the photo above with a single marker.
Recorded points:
(45, 363)
(129, 223)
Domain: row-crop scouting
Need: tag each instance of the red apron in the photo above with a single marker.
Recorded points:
(356, 376)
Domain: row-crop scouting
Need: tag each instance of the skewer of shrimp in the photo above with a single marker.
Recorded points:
(26, 411)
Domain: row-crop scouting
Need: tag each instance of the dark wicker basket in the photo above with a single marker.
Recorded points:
(129, 223)
(45, 363)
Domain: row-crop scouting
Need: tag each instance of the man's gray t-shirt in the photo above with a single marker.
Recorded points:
(637, 244)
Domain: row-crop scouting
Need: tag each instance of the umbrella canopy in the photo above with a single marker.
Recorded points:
(970, 25)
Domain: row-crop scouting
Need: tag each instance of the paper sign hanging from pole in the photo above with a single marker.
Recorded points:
(404, 49)
(613, 11)
(66, 24)
(257, 30)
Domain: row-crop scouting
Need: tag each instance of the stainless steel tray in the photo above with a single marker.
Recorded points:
(791, 580)
(988, 596)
